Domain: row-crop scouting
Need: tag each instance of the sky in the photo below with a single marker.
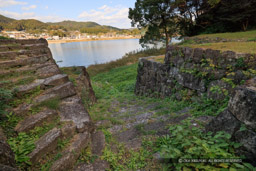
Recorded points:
(104, 12)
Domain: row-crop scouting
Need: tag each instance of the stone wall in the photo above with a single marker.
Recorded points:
(28, 69)
(187, 72)
(239, 119)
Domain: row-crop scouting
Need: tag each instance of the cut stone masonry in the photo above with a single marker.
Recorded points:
(27, 58)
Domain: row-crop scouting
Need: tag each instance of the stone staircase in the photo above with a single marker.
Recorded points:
(28, 69)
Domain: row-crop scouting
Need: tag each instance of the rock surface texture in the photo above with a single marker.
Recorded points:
(45, 99)
(195, 70)
(241, 111)
(188, 72)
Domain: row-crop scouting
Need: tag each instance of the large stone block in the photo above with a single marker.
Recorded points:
(243, 105)
(225, 121)
(247, 139)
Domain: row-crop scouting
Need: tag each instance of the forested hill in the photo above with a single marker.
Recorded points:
(35, 25)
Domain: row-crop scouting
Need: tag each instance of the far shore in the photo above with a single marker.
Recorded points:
(87, 40)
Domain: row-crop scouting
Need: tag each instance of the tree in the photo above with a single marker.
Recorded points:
(226, 16)
(158, 16)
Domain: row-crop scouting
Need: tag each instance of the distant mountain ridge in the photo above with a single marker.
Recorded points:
(32, 24)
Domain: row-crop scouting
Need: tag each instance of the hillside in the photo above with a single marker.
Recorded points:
(4, 19)
(73, 25)
(35, 25)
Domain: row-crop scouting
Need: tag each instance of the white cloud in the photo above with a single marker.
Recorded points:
(6, 3)
(29, 7)
(31, 15)
(106, 15)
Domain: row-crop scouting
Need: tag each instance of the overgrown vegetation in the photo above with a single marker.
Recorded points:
(187, 142)
(184, 140)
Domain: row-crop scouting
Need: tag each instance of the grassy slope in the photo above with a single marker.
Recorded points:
(240, 47)
(247, 43)
(235, 35)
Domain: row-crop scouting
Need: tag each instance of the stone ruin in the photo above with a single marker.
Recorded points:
(188, 72)
(32, 60)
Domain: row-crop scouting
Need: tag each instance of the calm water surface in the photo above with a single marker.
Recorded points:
(92, 52)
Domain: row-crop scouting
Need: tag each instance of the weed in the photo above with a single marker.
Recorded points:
(22, 145)
(209, 107)
(51, 104)
(5, 96)
(187, 142)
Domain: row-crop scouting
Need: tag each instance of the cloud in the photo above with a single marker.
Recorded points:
(31, 15)
(29, 7)
(6, 3)
(115, 16)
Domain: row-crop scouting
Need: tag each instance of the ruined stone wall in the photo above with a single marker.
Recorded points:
(43, 95)
(187, 72)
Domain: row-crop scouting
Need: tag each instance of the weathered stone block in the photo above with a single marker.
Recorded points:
(225, 121)
(243, 105)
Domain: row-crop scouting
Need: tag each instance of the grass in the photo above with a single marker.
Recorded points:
(236, 35)
(240, 47)
(158, 58)
(117, 85)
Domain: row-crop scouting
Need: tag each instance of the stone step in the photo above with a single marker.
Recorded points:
(33, 121)
(45, 144)
(47, 71)
(71, 154)
(72, 109)
(61, 92)
(98, 165)
(55, 80)
(27, 88)
(23, 42)
(10, 55)
(17, 47)
(24, 62)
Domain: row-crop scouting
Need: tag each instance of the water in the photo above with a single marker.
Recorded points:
(92, 52)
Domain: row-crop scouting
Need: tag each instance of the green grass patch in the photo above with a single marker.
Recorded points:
(53, 103)
(240, 47)
(235, 35)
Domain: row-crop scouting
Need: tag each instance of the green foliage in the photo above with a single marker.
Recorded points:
(188, 142)
(22, 145)
(240, 63)
(209, 107)
(8, 124)
(126, 160)
(5, 97)
(157, 16)
(2, 38)
(252, 39)
(51, 104)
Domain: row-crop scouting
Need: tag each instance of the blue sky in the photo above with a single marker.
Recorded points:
(105, 12)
